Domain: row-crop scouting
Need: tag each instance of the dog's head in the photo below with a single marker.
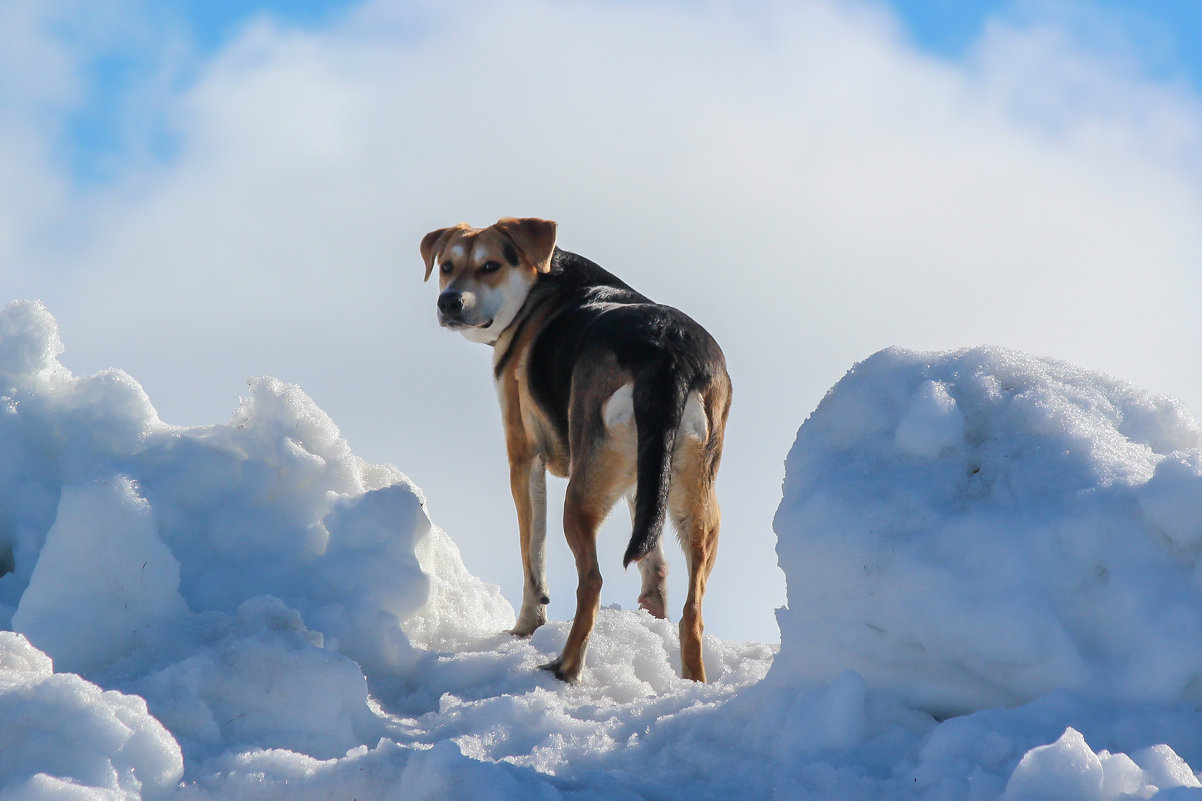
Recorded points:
(485, 274)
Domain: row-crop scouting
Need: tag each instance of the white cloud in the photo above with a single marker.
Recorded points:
(796, 177)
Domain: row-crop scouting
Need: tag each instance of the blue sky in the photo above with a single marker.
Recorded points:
(1160, 39)
(214, 21)
(946, 27)
(98, 131)
(1163, 34)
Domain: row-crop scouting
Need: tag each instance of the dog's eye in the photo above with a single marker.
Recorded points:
(447, 267)
(490, 267)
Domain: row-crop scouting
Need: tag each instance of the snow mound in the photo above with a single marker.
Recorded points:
(247, 579)
(982, 527)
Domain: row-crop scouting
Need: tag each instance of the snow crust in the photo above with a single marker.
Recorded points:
(992, 595)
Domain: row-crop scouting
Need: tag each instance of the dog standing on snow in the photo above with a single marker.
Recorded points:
(597, 384)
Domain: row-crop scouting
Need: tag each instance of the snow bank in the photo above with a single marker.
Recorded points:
(248, 611)
(247, 579)
(980, 528)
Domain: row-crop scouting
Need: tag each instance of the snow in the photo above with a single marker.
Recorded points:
(992, 565)
(981, 528)
(62, 734)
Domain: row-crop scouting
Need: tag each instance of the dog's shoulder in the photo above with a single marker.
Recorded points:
(575, 280)
(560, 305)
(574, 295)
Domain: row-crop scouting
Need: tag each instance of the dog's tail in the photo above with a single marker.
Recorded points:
(659, 399)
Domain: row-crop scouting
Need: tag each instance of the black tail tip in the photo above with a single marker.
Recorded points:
(633, 554)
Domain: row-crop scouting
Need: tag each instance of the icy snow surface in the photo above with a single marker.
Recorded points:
(993, 593)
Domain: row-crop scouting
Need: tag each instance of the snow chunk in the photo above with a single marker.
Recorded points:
(1172, 502)
(1164, 770)
(461, 606)
(1066, 770)
(104, 582)
(932, 424)
(263, 680)
(62, 737)
(1122, 778)
(978, 528)
(443, 772)
(29, 343)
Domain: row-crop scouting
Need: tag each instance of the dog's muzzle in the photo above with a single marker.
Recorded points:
(450, 304)
(458, 310)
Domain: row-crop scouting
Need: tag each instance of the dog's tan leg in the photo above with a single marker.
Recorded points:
(528, 482)
(580, 522)
(599, 477)
(694, 506)
(701, 547)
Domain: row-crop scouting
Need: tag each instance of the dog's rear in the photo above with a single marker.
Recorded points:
(680, 430)
(598, 384)
(650, 398)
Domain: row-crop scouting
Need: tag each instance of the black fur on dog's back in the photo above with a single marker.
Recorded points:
(586, 311)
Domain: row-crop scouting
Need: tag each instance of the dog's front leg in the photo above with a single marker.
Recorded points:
(528, 481)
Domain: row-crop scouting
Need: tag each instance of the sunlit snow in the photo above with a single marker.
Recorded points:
(993, 593)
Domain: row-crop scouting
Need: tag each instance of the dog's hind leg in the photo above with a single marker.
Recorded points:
(694, 507)
(653, 595)
(599, 477)
(699, 535)
(580, 521)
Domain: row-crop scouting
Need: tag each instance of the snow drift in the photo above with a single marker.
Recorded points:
(980, 528)
(248, 611)
(247, 579)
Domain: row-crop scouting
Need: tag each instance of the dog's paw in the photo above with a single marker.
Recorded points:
(557, 669)
(530, 619)
(655, 602)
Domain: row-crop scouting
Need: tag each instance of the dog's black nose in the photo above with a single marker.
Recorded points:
(450, 303)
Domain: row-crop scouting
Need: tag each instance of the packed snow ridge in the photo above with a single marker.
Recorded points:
(994, 593)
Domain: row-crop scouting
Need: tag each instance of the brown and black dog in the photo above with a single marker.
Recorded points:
(597, 384)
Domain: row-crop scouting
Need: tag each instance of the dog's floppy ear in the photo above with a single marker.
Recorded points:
(432, 244)
(535, 238)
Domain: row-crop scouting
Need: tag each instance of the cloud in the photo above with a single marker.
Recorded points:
(796, 176)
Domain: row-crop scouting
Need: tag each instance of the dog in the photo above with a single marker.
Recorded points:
(599, 385)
